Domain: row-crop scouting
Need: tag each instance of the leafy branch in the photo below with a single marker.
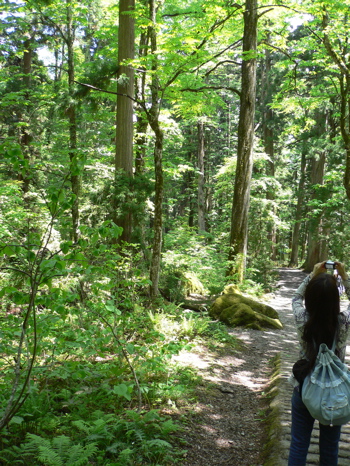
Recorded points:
(125, 354)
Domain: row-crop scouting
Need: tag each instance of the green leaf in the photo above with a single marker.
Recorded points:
(49, 264)
(122, 390)
(20, 298)
(16, 420)
(61, 265)
(110, 306)
(31, 256)
(130, 348)
(65, 247)
(79, 257)
(7, 290)
(8, 250)
(83, 242)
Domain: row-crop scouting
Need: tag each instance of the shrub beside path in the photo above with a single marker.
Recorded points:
(286, 343)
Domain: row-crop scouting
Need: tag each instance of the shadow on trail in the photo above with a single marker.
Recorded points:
(225, 427)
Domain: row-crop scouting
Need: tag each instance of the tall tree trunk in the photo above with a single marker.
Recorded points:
(71, 112)
(317, 250)
(153, 116)
(158, 212)
(201, 178)
(139, 221)
(241, 197)
(298, 213)
(190, 180)
(25, 137)
(141, 117)
(268, 137)
(345, 129)
(124, 118)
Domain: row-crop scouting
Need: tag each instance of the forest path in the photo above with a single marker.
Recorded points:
(286, 342)
(224, 424)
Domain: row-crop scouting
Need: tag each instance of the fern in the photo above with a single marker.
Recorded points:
(158, 443)
(48, 456)
(116, 447)
(61, 445)
(56, 452)
(136, 434)
(83, 426)
(79, 455)
(45, 453)
(169, 427)
(12, 455)
(126, 457)
(99, 431)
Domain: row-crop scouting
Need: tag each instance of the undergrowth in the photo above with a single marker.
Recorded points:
(83, 403)
(88, 374)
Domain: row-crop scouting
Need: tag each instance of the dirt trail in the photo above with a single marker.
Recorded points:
(226, 427)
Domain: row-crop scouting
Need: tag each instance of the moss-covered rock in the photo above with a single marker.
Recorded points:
(192, 284)
(239, 311)
(177, 284)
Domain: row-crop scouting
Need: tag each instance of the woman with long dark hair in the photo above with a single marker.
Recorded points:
(316, 309)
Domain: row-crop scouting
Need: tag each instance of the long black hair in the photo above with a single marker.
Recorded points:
(322, 304)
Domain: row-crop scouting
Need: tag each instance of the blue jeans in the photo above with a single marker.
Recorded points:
(302, 425)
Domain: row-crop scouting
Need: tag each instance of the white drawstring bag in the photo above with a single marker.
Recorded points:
(326, 389)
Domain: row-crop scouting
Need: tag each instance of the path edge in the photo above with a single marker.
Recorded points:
(273, 449)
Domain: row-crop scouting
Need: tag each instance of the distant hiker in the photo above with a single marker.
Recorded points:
(320, 321)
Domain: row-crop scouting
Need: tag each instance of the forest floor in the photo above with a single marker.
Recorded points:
(226, 425)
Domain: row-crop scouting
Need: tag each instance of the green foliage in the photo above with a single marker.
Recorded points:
(201, 254)
(56, 452)
(134, 438)
(87, 361)
(128, 440)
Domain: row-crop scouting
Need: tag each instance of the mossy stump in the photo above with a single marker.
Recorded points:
(236, 310)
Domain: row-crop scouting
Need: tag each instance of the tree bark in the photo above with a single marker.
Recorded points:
(25, 137)
(71, 112)
(124, 117)
(141, 117)
(268, 138)
(201, 178)
(299, 212)
(241, 197)
(153, 116)
(317, 247)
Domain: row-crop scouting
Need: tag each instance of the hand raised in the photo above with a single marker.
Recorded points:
(341, 270)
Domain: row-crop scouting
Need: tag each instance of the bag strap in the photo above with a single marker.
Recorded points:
(334, 345)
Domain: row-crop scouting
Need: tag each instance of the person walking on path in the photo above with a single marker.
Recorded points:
(318, 321)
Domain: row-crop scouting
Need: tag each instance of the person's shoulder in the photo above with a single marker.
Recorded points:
(344, 316)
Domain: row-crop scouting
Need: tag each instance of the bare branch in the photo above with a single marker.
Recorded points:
(215, 88)
(222, 63)
(264, 12)
(184, 13)
(14, 269)
(284, 52)
(94, 88)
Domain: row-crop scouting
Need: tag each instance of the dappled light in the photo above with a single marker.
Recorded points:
(167, 170)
